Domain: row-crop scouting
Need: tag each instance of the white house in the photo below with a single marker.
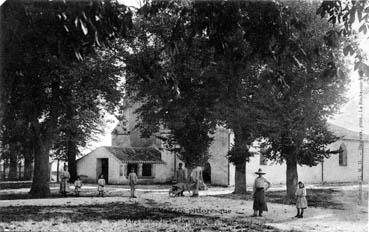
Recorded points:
(154, 164)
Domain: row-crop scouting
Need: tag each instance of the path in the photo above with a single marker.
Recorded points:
(279, 216)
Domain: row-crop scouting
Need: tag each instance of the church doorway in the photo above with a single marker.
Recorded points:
(206, 174)
(102, 167)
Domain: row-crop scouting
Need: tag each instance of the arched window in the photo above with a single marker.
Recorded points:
(343, 155)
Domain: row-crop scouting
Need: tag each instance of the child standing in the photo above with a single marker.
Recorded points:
(301, 202)
(77, 186)
(132, 177)
(101, 184)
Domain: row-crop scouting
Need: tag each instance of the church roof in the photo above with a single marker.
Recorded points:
(136, 154)
(344, 133)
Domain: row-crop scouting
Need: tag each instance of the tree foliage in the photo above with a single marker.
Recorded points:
(271, 64)
(167, 74)
(84, 108)
(44, 42)
(344, 15)
(302, 93)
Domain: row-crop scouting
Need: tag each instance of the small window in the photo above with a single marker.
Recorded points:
(342, 157)
(263, 160)
(146, 169)
(121, 170)
(130, 166)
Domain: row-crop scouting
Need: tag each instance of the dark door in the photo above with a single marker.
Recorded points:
(206, 174)
(105, 169)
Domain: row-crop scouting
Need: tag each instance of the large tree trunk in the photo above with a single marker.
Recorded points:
(72, 166)
(291, 176)
(239, 157)
(240, 178)
(40, 184)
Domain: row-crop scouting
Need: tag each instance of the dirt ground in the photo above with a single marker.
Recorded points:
(332, 208)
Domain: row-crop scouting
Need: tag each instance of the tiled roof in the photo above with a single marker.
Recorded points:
(345, 133)
(136, 154)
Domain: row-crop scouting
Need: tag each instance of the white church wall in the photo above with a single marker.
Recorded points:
(310, 175)
(165, 172)
(366, 162)
(332, 172)
(275, 172)
(218, 160)
(232, 172)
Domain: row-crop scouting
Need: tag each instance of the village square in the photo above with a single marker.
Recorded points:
(184, 115)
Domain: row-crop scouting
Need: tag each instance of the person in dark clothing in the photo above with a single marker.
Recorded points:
(261, 185)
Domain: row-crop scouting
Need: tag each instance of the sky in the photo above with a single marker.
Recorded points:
(347, 117)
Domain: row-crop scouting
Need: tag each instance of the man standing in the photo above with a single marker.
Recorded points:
(260, 185)
(181, 175)
(132, 177)
(64, 178)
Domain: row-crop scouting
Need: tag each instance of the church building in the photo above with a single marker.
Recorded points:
(153, 164)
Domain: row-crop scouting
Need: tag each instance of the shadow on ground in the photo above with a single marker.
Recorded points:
(324, 198)
(126, 211)
(55, 194)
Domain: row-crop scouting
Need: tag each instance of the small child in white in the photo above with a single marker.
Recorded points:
(101, 184)
(301, 202)
(132, 177)
(77, 186)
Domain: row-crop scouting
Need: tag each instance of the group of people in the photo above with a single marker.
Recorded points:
(261, 184)
(64, 183)
(65, 176)
(196, 177)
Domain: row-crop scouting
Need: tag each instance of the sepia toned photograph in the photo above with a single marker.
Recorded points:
(184, 115)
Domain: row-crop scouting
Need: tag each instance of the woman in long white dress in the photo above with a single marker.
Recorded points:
(196, 176)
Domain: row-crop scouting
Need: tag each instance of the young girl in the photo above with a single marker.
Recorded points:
(301, 202)
(77, 186)
(101, 184)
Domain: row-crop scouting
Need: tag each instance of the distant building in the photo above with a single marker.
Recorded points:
(154, 164)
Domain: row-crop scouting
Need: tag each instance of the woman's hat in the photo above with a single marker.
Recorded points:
(260, 172)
